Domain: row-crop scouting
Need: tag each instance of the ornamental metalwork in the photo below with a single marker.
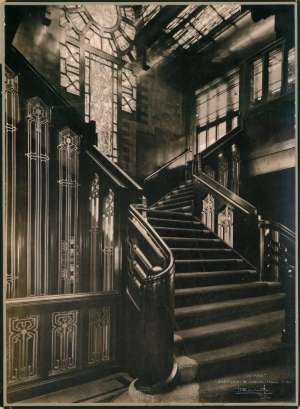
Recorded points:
(38, 151)
(68, 252)
(64, 341)
(99, 339)
(23, 348)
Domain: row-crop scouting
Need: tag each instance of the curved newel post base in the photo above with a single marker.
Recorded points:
(160, 387)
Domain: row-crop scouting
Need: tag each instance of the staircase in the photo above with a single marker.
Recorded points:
(226, 320)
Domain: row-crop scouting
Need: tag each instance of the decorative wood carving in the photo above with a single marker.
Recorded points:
(225, 225)
(64, 341)
(99, 344)
(68, 151)
(208, 212)
(38, 151)
(23, 345)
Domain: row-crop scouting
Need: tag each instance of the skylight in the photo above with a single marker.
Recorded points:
(190, 26)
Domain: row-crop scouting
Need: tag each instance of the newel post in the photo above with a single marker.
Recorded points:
(159, 367)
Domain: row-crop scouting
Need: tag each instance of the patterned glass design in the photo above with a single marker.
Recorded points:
(101, 97)
(10, 151)
(23, 345)
(70, 68)
(128, 90)
(38, 151)
(195, 22)
(68, 254)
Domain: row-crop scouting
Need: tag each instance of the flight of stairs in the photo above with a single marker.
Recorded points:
(226, 320)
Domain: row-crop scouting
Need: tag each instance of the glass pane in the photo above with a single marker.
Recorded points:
(221, 129)
(234, 122)
(211, 135)
(212, 104)
(256, 80)
(233, 92)
(291, 67)
(275, 71)
(201, 141)
(222, 99)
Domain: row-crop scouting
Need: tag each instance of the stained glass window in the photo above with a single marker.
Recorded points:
(291, 67)
(69, 68)
(128, 90)
(101, 97)
(106, 32)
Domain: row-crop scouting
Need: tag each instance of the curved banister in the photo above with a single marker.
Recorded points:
(225, 193)
(169, 269)
(156, 172)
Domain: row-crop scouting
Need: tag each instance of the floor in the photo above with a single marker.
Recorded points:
(267, 385)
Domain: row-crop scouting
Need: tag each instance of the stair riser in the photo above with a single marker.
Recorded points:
(227, 294)
(172, 206)
(215, 340)
(194, 244)
(178, 195)
(188, 282)
(202, 254)
(234, 366)
(167, 215)
(173, 223)
(206, 265)
(229, 313)
(177, 199)
(199, 233)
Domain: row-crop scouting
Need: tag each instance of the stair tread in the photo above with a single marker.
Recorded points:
(154, 219)
(163, 212)
(217, 329)
(209, 260)
(219, 249)
(239, 350)
(181, 229)
(194, 309)
(171, 199)
(200, 239)
(213, 273)
(224, 287)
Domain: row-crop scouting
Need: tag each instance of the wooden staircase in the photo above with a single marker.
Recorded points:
(226, 320)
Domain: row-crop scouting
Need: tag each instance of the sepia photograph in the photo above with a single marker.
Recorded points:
(149, 196)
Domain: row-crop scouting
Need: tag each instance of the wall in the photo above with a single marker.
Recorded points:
(161, 118)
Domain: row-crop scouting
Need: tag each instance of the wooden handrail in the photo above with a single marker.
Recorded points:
(225, 193)
(113, 170)
(161, 245)
(281, 228)
(165, 165)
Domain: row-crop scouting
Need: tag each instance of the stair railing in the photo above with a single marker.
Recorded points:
(174, 172)
(268, 245)
(277, 258)
(150, 291)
